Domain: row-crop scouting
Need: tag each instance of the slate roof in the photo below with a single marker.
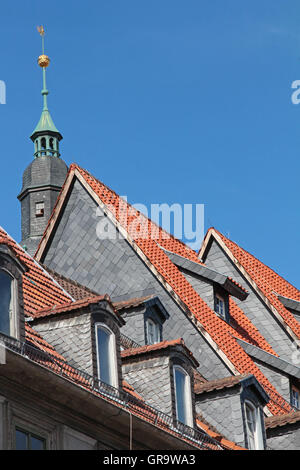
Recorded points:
(220, 332)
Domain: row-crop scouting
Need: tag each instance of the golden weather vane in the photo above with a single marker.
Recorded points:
(41, 30)
(43, 59)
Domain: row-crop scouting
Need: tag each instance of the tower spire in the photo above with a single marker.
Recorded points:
(45, 136)
(45, 175)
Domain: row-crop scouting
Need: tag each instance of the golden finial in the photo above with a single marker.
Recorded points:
(43, 59)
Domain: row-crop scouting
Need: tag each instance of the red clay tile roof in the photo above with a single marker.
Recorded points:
(35, 339)
(225, 443)
(77, 291)
(282, 420)
(136, 302)
(71, 306)
(266, 279)
(219, 384)
(147, 349)
(40, 290)
(221, 333)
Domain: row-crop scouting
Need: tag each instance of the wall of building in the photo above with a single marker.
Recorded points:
(70, 335)
(222, 409)
(280, 380)
(151, 379)
(284, 438)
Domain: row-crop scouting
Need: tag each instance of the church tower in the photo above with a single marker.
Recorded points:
(44, 177)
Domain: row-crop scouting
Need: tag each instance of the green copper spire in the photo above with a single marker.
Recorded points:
(45, 136)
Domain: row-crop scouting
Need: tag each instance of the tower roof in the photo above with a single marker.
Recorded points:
(46, 124)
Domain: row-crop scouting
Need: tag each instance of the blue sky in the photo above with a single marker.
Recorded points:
(166, 101)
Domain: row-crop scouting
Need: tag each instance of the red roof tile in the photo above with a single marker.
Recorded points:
(219, 384)
(282, 420)
(40, 290)
(70, 306)
(158, 347)
(225, 443)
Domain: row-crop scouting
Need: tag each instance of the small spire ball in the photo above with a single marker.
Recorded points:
(43, 60)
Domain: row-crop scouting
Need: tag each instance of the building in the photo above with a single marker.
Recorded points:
(116, 335)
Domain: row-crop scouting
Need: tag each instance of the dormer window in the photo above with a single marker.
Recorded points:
(7, 304)
(152, 331)
(220, 305)
(295, 397)
(253, 427)
(183, 398)
(106, 354)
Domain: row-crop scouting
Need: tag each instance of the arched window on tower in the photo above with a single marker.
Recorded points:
(51, 145)
(43, 145)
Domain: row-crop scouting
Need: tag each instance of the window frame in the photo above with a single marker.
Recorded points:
(219, 297)
(257, 433)
(29, 435)
(112, 354)
(187, 396)
(295, 390)
(40, 212)
(157, 330)
(13, 310)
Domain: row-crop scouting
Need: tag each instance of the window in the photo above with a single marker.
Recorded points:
(106, 353)
(220, 305)
(253, 427)
(295, 397)
(28, 441)
(183, 396)
(6, 303)
(152, 331)
(39, 209)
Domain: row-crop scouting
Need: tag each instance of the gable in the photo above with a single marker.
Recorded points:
(253, 307)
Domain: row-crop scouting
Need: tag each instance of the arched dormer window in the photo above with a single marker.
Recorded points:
(106, 355)
(253, 426)
(7, 304)
(183, 396)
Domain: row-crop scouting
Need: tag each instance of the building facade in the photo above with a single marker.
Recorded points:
(115, 335)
